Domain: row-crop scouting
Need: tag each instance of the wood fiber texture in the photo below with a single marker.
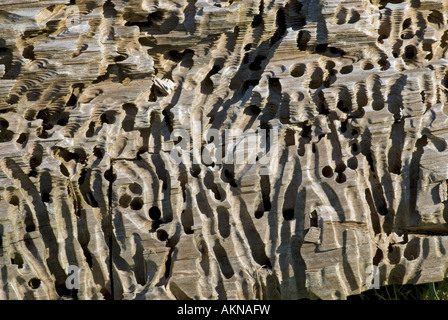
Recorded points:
(352, 96)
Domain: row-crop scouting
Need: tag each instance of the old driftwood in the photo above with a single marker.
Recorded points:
(208, 149)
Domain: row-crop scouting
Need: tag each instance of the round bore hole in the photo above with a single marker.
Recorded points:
(329, 65)
(125, 200)
(288, 214)
(327, 172)
(110, 176)
(259, 214)
(162, 235)
(298, 70)
(136, 204)
(346, 69)
(410, 52)
(352, 163)
(154, 213)
(34, 283)
(135, 188)
(367, 65)
(383, 211)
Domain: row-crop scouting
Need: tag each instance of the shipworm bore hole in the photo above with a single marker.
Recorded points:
(259, 214)
(346, 69)
(135, 188)
(34, 283)
(154, 213)
(352, 163)
(410, 52)
(367, 65)
(110, 176)
(125, 200)
(298, 70)
(327, 172)
(162, 235)
(136, 203)
(383, 211)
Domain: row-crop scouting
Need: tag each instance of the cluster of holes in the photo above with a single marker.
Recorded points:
(340, 177)
(79, 155)
(135, 203)
(318, 76)
(347, 16)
